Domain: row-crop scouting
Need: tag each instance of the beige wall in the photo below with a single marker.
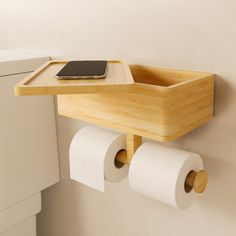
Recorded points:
(190, 34)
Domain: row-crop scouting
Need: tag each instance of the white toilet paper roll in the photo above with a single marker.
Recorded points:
(92, 154)
(159, 172)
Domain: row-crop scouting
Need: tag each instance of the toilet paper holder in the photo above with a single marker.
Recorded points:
(194, 180)
(167, 103)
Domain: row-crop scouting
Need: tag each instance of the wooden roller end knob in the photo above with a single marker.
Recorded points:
(197, 180)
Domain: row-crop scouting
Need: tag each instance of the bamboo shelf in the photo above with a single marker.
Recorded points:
(156, 103)
(44, 82)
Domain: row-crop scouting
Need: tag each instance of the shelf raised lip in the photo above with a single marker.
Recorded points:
(43, 81)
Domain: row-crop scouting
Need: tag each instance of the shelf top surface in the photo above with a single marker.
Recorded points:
(43, 81)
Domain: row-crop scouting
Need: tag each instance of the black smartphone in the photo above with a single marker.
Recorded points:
(83, 70)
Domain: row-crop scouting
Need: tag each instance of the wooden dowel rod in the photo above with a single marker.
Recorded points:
(190, 178)
(121, 157)
(132, 144)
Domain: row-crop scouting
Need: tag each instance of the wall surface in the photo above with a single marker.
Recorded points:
(188, 34)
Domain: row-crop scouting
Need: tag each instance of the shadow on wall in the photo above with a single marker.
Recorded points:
(223, 95)
(220, 194)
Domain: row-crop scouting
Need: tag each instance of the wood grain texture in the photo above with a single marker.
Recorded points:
(133, 143)
(43, 81)
(168, 104)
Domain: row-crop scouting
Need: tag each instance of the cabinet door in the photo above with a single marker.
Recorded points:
(28, 143)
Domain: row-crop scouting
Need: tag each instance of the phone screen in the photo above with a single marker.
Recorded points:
(83, 70)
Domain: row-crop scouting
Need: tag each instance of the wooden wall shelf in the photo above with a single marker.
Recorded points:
(156, 103)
